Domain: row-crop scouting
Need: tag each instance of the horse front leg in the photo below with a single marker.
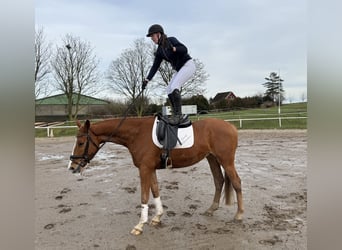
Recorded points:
(157, 202)
(145, 183)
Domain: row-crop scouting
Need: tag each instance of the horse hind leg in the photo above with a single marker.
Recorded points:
(218, 181)
(235, 180)
(228, 190)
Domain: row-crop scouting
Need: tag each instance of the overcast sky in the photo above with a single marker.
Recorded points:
(239, 42)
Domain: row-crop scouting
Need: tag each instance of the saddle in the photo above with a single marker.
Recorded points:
(167, 135)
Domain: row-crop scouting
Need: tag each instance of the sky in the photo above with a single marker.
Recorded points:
(239, 42)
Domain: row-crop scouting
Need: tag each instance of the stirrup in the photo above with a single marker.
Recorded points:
(184, 118)
(163, 158)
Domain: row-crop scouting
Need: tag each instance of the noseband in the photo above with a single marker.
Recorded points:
(85, 158)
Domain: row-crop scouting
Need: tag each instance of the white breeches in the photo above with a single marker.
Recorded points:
(181, 77)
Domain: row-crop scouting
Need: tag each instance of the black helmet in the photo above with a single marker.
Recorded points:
(155, 28)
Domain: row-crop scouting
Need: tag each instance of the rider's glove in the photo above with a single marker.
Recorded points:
(144, 83)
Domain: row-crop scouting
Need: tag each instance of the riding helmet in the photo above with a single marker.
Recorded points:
(155, 28)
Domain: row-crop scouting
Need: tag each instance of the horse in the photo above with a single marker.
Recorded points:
(214, 139)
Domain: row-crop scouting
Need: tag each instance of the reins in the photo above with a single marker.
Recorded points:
(122, 120)
(85, 157)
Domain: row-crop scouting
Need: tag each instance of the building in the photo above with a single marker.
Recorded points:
(228, 96)
(54, 108)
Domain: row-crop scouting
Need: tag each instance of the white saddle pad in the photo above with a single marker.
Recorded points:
(185, 135)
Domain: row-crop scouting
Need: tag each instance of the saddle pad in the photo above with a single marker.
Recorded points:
(185, 135)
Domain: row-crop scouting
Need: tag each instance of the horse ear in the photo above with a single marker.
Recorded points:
(87, 125)
(78, 123)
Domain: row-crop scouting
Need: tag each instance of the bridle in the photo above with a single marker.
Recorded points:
(85, 157)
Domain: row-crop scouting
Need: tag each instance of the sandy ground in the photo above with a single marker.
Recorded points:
(99, 209)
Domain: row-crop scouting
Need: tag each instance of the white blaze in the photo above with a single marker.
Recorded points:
(73, 149)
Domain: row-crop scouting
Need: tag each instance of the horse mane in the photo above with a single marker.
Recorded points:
(94, 126)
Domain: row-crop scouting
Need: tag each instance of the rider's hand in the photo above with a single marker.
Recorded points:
(144, 83)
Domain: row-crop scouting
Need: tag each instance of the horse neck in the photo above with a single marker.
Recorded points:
(117, 131)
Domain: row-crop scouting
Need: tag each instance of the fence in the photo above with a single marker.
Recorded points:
(264, 119)
(49, 128)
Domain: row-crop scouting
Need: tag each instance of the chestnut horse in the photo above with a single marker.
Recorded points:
(214, 139)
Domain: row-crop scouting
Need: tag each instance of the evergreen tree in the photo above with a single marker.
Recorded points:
(274, 88)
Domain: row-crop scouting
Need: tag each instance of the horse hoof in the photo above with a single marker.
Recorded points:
(155, 223)
(136, 232)
(238, 217)
(208, 213)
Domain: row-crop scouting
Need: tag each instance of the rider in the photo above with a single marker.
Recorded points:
(174, 52)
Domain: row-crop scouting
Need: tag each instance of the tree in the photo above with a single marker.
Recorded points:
(195, 86)
(245, 102)
(199, 100)
(42, 68)
(126, 74)
(75, 71)
(274, 88)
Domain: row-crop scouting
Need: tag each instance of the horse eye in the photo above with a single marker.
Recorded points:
(80, 143)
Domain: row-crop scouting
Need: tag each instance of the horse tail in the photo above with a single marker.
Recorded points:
(228, 190)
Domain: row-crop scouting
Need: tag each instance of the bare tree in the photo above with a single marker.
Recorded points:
(75, 71)
(42, 67)
(195, 86)
(126, 73)
(166, 72)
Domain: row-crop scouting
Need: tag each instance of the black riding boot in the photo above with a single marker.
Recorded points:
(172, 102)
(175, 99)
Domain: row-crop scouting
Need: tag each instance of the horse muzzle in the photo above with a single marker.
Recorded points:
(77, 167)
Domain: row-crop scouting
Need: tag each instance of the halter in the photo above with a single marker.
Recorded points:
(85, 158)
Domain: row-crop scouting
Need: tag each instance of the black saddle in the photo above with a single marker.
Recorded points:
(167, 135)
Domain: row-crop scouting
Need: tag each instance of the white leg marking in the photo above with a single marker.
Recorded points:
(144, 213)
(138, 229)
(159, 212)
(159, 206)
(73, 149)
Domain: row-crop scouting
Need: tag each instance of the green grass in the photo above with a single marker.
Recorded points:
(272, 124)
(287, 110)
(57, 132)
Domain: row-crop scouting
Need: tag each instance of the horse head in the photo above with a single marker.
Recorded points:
(85, 148)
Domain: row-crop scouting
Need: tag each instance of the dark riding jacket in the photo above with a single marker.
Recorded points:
(177, 59)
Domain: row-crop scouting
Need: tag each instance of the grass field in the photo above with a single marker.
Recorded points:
(269, 117)
(42, 132)
(259, 118)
